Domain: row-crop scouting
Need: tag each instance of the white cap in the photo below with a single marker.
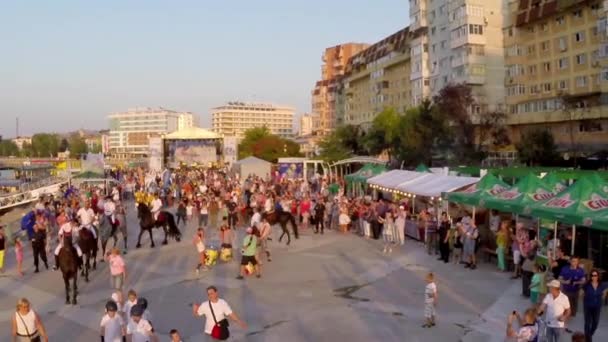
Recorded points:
(554, 283)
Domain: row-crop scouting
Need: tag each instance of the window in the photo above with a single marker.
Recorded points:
(475, 29)
(532, 70)
(579, 36)
(590, 126)
(544, 27)
(581, 59)
(544, 46)
(563, 84)
(581, 81)
(534, 89)
(560, 20)
(562, 63)
(531, 49)
(594, 31)
(562, 43)
(546, 87)
(578, 14)
(432, 31)
(547, 66)
(443, 44)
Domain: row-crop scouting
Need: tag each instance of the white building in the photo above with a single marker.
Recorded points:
(130, 131)
(458, 42)
(309, 123)
(20, 141)
(234, 118)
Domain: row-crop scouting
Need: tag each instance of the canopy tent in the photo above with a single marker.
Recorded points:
(422, 168)
(252, 166)
(487, 186)
(581, 204)
(553, 180)
(527, 192)
(432, 185)
(366, 172)
(393, 178)
(192, 133)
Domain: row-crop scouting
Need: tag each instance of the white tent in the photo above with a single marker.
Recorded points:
(393, 178)
(252, 166)
(433, 185)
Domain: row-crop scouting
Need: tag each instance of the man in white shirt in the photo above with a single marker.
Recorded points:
(221, 310)
(256, 218)
(557, 307)
(157, 205)
(67, 231)
(139, 329)
(86, 217)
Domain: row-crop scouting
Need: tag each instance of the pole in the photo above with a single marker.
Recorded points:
(473, 218)
(573, 239)
(554, 239)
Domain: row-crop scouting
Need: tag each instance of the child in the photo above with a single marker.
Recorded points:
(457, 243)
(430, 301)
(2, 246)
(139, 328)
(112, 326)
(19, 255)
(535, 284)
(118, 269)
(175, 336)
(199, 242)
(387, 232)
(131, 302)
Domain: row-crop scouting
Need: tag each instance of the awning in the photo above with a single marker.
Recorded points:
(393, 178)
(431, 185)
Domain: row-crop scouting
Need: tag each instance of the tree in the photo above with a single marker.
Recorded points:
(492, 130)
(537, 148)
(77, 146)
(63, 145)
(383, 136)
(8, 148)
(96, 148)
(251, 136)
(344, 142)
(272, 147)
(45, 145)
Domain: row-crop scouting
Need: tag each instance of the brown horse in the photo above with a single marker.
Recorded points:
(68, 264)
(282, 218)
(88, 246)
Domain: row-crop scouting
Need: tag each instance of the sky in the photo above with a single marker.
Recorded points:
(65, 65)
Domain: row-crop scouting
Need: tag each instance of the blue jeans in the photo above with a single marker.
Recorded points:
(553, 334)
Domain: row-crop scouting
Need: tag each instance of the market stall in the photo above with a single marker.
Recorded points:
(357, 182)
(252, 166)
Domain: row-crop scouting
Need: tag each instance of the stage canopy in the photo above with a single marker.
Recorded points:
(432, 185)
(252, 166)
(392, 178)
(192, 133)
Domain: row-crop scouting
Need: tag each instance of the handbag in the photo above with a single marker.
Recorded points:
(34, 337)
(220, 329)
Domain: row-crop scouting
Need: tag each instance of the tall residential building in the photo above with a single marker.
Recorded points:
(324, 93)
(309, 123)
(130, 130)
(557, 71)
(375, 79)
(458, 42)
(234, 118)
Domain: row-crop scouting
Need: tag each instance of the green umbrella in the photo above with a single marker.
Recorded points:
(487, 186)
(584, 203)
(556, 183)
(526, 192)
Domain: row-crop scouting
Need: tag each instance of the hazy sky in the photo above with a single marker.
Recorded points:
(65, 65)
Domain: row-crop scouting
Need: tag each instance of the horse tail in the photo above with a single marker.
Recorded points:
(173, 230)
(294, 225)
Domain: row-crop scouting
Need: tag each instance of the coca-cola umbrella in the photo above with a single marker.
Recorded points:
(518, 199)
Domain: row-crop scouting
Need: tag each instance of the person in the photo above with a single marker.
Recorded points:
(595, 292)
(343, 219)
(558, 263)
(139, 329)
(19, 256)
(39, 247)
(249, 252)
(182, 213)
(112, 326)
(388, 231)
(175, 336)
(265, 234)
(557, 306)
(157, 205)
(431, 237)
(203, 218)
(86, 217)
(226, 236)
(444, 243)
(67, 231)
(26, 324)
(118, 268)
(2, 248)
(131, 302)
(515, 237)
(215, 310)
(528, 330)
(256, 218)
(457, 243)
(400, 226)
(199, 242)
(579, 337)
(430, 300)
(535, 284)
(109, 210)
(319, 214)
(502, 241)
(470, 234)
(571, 278)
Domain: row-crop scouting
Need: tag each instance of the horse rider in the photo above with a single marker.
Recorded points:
(109, 210)
(68, 231)
(157, 205)
(269, 204)
(86, 217)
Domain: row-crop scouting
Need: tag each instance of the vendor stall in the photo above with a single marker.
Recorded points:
(357, 182)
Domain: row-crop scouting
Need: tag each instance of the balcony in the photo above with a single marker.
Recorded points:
(418, 21)
(468, 39)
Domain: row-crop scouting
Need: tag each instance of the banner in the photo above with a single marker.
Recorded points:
(291, 170)
(191, 152)
(93, 163)
(230, 150)
(156, 154)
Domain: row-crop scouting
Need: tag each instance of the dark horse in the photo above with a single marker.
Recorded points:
(68, 264)
(106, 231)
(282, 217)
(88, 246)
(147, 222)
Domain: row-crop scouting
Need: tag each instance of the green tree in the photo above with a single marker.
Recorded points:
(272, 147)
(332, 148)
(537, 148)
(77, 146)
(8, 148)
(63, 145)
(45, 145)
(251, 137)
(383, 135)
(96, 148)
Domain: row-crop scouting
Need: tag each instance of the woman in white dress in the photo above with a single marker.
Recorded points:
(27, 325)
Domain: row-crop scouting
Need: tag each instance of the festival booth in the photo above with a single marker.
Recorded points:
(357, 181)
(191, 146)
(252, 166)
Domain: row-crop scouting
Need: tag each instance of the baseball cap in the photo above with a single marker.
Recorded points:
(554, 283)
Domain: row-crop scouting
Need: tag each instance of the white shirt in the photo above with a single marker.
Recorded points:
(555, 308)
(112, 327)
(66, 228)
(256, 219)
(127, 308)
(30, 322)
(85, 216)
(429, 293)
(109, 208)
(221, 310)
(157, 204)
(140, 332)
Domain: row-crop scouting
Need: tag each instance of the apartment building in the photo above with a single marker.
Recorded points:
(375, 79)
(455, 42)
(234, 118)
(309, 123)
(557, 71)
(324, 93)
(131, 130)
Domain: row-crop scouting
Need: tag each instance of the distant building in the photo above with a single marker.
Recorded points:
(20, 141)
(324, 92)
(130, 130)
(234, 118)
(309, 123)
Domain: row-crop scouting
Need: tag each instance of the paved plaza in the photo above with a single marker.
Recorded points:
(328, 287)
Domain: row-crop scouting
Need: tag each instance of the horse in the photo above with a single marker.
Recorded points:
(68, 264)
(147, 222)
(106, 231)
(282, 217)
(88, 246)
